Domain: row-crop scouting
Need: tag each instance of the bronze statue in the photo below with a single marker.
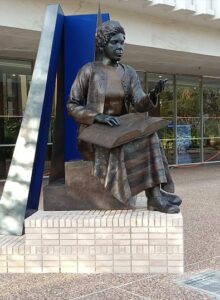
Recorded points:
(103, 91)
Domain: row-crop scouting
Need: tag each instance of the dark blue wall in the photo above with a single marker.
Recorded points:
(79, 49)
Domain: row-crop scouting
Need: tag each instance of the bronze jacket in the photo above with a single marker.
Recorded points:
(87, 96)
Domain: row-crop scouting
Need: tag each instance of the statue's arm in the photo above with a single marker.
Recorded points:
(76, 104)
(140, 100)
(80, 113)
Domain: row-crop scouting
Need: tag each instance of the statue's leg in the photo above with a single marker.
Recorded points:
(162, 201)
(169, 185)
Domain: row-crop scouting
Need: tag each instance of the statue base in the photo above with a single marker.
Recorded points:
(81, 191)
(96, 241)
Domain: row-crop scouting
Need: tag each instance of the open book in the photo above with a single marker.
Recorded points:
(133, 126)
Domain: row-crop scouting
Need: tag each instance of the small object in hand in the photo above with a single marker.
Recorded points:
(160, 86)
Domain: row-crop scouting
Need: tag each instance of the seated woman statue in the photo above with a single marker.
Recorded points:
(103, 91)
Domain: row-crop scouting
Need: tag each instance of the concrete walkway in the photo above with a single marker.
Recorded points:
(199, 187)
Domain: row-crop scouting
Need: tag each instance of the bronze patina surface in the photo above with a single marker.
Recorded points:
(124, 162)
(132, 127)
(82, 191)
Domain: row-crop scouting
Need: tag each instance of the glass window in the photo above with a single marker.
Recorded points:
(15, 77)
(188, 119)
(142, 76)
(211, 119)
(165, 110)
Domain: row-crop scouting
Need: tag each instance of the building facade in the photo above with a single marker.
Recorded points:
(173, 39)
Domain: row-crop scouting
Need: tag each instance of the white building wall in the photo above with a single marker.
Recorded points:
(171, 35)
(163, 30)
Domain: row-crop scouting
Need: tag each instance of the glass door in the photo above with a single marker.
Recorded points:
(165, 110)
(211, 119)
(188, 128)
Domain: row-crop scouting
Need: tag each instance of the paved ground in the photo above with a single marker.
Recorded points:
(200, 189)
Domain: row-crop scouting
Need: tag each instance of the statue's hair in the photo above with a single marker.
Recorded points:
(106, 32)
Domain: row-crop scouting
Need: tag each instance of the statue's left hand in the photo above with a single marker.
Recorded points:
(107, 119)
(160, 86)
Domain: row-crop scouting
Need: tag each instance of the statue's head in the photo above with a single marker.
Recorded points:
(106, 31)
(110, 39)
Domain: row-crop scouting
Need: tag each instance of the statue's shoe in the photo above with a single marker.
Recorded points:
(168, 186)
(171, 198)
(162, 205)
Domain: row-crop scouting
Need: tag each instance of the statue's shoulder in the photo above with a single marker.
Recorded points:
(85, 71)
(91, 67)
(87, 67)
(130, 71)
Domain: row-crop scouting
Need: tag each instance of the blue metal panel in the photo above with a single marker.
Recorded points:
(79, 49)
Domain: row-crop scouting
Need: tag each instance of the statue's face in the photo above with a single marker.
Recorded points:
(115, 47)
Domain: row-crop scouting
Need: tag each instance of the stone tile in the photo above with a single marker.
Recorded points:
(16, 269)
(67, 236)
(33, 263)
(104, 269)
(103, 263)
(122, 269)
(53, 242)
(48, 257)
(68, 242)
(86, 267)
(51, 269)
(33, 269)
(158, 269)
(50, 263)
(15, 263)
(50, 236)
(104, 250)
(3, 269)
(104, 257)
(68, 269)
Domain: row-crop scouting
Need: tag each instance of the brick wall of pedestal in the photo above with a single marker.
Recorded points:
(116, 241)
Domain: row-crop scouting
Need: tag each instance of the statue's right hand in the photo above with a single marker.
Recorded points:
(106, 119)
(160, 86)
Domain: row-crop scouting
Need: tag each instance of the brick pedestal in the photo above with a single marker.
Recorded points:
(96, 241)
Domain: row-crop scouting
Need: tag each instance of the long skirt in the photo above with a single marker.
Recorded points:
(132, 168)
